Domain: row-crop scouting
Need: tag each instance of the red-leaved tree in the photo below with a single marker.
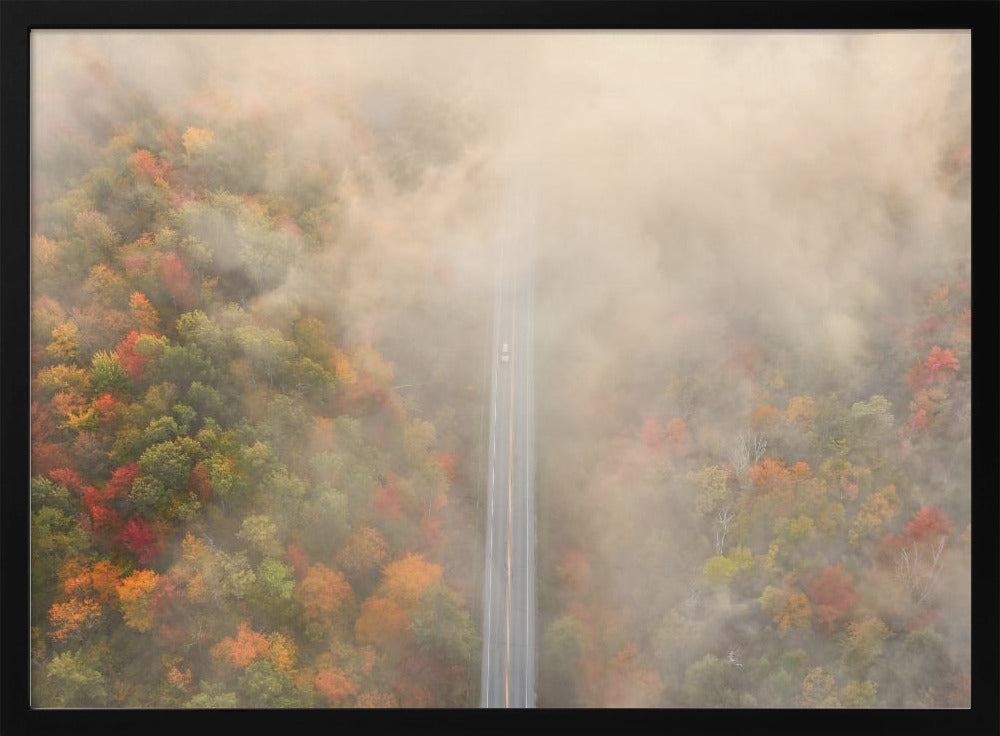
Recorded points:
(386, 498)
(333, 686)
(132, 361)
(917, 555)
(149, 166)
(141, 538)
(200, 482)
(833, 595)
(652, 434)
(177, 278)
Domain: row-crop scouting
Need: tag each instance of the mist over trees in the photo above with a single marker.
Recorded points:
(754, 444)
(232, 506)
(262, 272)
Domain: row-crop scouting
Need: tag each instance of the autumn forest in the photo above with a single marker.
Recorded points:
(260, 307)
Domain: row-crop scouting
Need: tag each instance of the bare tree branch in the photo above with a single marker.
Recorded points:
(722, 521)
(916, 574)
(748, 451)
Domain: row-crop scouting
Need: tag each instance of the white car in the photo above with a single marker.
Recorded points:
(505, 354)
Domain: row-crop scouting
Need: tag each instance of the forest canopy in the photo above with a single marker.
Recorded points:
(231, 504)
(262, 272)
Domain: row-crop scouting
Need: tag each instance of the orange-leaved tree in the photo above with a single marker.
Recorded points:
(322, 592)
(382, 621)
(333, 686)
(247, 647)
(135, 594)
(405, 579)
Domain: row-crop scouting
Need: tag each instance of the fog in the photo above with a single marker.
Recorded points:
(704, 202)
(792, 180)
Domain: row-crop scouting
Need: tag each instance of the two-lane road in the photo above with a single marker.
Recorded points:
(508, 675)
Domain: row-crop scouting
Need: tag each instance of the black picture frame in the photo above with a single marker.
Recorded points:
(19, 18)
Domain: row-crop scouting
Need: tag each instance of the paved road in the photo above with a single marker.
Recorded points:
(508, 675)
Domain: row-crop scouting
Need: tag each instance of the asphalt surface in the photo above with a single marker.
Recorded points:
(509, 663)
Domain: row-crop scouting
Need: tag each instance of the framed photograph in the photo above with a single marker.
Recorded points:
(610, 360)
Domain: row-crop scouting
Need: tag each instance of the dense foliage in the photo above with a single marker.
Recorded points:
(805, 549)
(231, 507)
(262, 285)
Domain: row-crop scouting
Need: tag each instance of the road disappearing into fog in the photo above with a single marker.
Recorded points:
(509, 666)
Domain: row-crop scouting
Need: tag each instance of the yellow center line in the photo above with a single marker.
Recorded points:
(510, 473)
